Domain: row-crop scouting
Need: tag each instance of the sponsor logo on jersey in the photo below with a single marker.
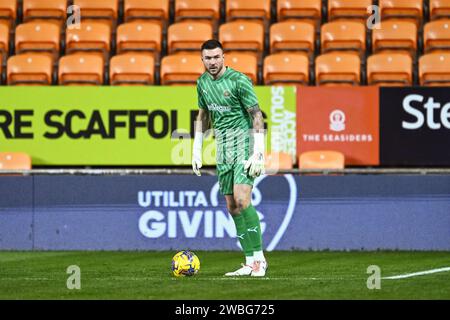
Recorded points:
(215, 107)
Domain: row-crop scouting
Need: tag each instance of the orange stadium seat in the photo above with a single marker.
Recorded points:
(248, 9)
(187, 36)
(439, 9)
(285, 69)
(181, 69)
(336, 68)
(155, 10)
(434, 69)
(275, 161)
(204, 11)
(91, 37)
(390, 69)
(321, 159)
(132, 69)
(45, 9)
(30, 69)
(81, 69)
(292, 36)
(4, 42)
(140, 36)
(245, 63)
(15, 161)
(436, 35)
(304, 10)
(401, 9)
(104, 10)
(38, 36)
(343, 35)
(8, 12)
(395, 35)
(242, 36)
(348, 9)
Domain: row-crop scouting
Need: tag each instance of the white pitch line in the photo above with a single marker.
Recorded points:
(409, 275)
(193, 279)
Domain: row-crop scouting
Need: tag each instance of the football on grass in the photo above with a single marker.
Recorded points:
(185, 263)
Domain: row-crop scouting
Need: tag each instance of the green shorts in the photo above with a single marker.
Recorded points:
(231, 159)
(231, 174)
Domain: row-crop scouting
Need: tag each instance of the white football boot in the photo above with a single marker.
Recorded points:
(259, 268)
(245, 270)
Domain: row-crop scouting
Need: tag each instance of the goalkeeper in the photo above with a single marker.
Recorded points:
(227, 99)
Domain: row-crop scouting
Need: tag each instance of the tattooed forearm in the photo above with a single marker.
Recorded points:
(202, 121)
(257, 117)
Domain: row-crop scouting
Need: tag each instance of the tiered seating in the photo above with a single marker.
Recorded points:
(321, 159)
(436, 35)
(4, 43)
(245, 63)
(198, 11)
(156, 11)
(344, 36)
(303, 10)
(395, 35)
(8, 12)
(48, 10)
(187, 36)
(275, 161)
(100, 10)
(338, 69)
(390, 69)
(292, 41)
(439, 9)
(132, 69)
(411, 10)
(286, 69)
(29, 69)
(249, 10)
(15, 161)
(292, 37)
(434, 69)
(92, 37)
(180, 69)
(348, 9)
(81, 69)
(243, 36)
(38, 36)
(140, 37)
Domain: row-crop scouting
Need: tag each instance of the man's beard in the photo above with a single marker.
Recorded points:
(216, 70)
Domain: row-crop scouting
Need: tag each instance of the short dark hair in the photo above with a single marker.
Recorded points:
(211, 44)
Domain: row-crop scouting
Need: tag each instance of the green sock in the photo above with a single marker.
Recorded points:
(241, 232)
(253, 227)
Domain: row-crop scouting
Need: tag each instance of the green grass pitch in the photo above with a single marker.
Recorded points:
(291, 275)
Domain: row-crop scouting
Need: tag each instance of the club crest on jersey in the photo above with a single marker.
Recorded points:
(226, 94)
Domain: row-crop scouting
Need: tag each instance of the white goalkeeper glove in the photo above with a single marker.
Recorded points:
(254, 166)
(197, 153)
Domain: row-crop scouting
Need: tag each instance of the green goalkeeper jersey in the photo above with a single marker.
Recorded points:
(227, 100)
